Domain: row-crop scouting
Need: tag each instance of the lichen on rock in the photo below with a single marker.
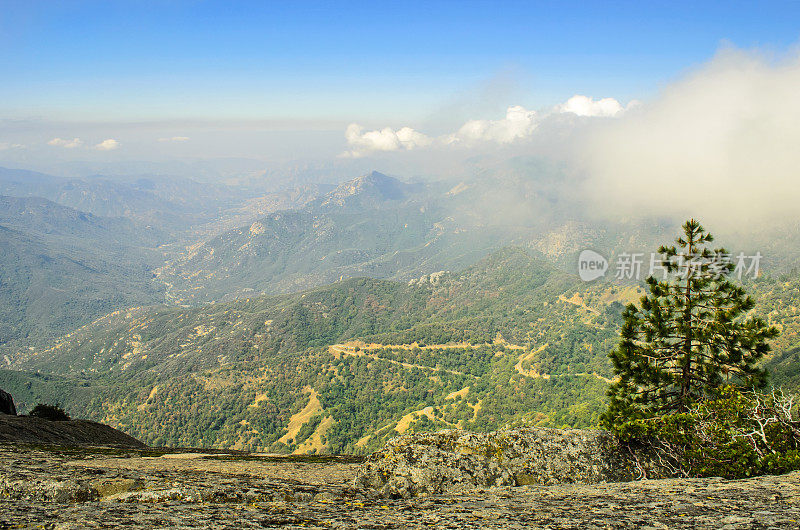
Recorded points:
(454, 461)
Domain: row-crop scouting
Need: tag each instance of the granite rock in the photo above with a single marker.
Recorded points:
(85, 487)
(454, 461)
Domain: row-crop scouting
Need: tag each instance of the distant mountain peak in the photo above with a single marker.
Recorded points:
(369, 190)
(376, 177)
(389, 187)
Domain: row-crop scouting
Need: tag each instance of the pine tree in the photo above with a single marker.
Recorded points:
(692, 334)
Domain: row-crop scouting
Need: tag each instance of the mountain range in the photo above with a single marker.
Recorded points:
(307, 316)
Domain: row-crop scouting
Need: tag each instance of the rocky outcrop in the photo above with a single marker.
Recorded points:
(96, 488)
(455, 461)
(7, 403)
(32, 430)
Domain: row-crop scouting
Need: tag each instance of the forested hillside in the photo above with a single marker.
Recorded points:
(373, 225)
(343, 367)
(237, 374)
(61, 268)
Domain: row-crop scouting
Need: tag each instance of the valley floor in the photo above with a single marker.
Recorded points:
(98, 488)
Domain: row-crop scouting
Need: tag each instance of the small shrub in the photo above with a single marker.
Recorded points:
(49, 412)
(738, 434)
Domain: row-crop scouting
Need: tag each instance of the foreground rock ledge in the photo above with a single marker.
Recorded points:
(454, 461)
(89, 487)
(32, 430)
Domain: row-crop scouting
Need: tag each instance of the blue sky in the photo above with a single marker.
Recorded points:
(373, 62)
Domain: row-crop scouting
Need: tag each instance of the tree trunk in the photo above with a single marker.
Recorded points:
(686, 372)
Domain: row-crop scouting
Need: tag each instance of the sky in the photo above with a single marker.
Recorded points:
(141, 79)
(352, 60)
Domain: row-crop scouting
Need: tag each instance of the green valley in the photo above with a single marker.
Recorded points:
(491, 345)
(509, 341)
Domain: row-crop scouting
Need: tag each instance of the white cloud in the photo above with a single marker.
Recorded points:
(386, 139)
(107, 145)
(69, 144)
(586, 106)
(518, 123)
(721, 143)
(175, 139)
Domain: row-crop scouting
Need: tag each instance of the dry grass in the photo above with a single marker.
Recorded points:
(296, 421)
(314, 442)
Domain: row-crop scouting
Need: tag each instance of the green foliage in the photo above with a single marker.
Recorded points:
(692, 333)
(197, 372)
(49, 412)
(30, 388)
(307, 429)
(232, 374)
(735, 435)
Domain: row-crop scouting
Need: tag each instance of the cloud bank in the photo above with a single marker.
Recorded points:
(723, 143)
(518, 124)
